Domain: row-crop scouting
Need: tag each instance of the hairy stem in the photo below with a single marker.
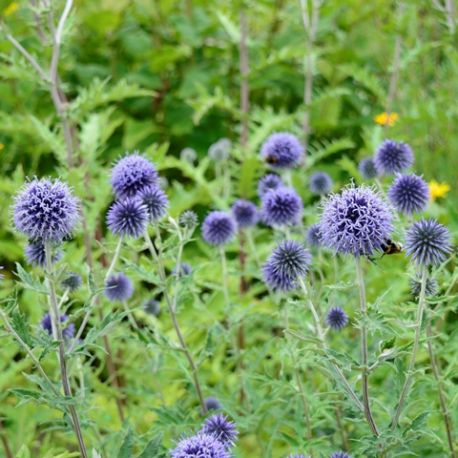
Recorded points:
(416, 343)
(364, 347)
(225, 278)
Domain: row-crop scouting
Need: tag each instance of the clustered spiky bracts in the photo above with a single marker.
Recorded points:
(289, 261)
(367, 168)
(393, 157)
(222, 428)
(127, 217)
(72, 281)
(282, 150)
(153, 307)
(313, 235)
(45, 210)
(320, 183)
(268, 183)
(118, 287)
(281, 207)
(336, 318)
(221, 150)
(188, 219)
(68, 332)
(245, 213)
(409, 194)
(357, 221)
(428, 242)
(36, 256)
(218, 228)
(431, 287)
(156, 202)
(340, 455)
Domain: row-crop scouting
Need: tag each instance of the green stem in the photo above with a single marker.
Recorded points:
(114, 259)
(225, 278)
(364, 347)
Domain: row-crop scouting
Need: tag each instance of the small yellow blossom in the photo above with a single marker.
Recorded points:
(386, 119)
(11, 8)
(437, 190)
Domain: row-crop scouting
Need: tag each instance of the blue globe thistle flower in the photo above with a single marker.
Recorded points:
(222, 428)
(45, 210)
(184, 270)
(200, 446)
(288, 261)
(409, 194)
(118, 287)
(188, 155)
(428, 242)
(36, 255)
(320, 183)
(153, 307)
(220, 151)
(340, 455)
(282, 150)
(245, 213)
(127, 217)
(336, 318)
(431, 289)
(132, 174)
(367, 168)
(393, 157)
(156, 202)
(268, 183)
(218, 228)
(357, 221)
(281, 207)
(68, 332)
(73, 281)
(188, 219)
(212, 403)
(313, 235)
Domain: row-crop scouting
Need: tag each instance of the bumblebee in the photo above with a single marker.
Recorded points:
(271, 160)
(390, 247)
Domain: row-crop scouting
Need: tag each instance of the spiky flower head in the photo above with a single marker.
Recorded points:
(155, 201)
(36, 255)
(72, 281)
(393, 157)
(218, 228)
(288, 261)
(336, 318)
(68, 332)
(409, 194)
(340, 455)
(128, 217)
(320, 183)
(188, 219)
(188, 155)
(132, 174)
(313, 235)
(200, 446)
(45, 210)
(268, 183)
(431, 287)
(367, 168)
(282, 150)
(281, 207)
(153, 307)
(357, 221)
(211, 403)
(118, 287)
(183, 270)
(222, 428)
(428, 242)
(220, 151)
(245, 213)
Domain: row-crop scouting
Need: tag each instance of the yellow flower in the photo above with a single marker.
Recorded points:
(385, 119)
(11, 8)
(437, 190)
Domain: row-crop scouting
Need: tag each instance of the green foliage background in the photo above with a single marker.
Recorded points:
(160, 76)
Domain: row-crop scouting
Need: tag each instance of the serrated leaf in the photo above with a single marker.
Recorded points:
(153, 448)
(29, 281)
(126, 448)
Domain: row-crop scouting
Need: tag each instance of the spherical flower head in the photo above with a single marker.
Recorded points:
(313, 235)
(367, 168)
(132, 174)
(183, 270)
(428, 242)
(156, 202)
(152, 307)
(340, 455)
(188, 219)
(68, 332)
(431, 288)
(393, 157)
(72, 282)
(36, 256)
(268, 183)
(45, 210)
(409, 194)
(281, 207)
(245, 213)
(218, 228)
(288, 261)
(212, 403)
(336, 318)
(282, 150)
(118, 287)
(188, 155)
(356, 221)
(128, 217)
(220, 151)
(222, 428)
(200, 446)
(320, 183)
